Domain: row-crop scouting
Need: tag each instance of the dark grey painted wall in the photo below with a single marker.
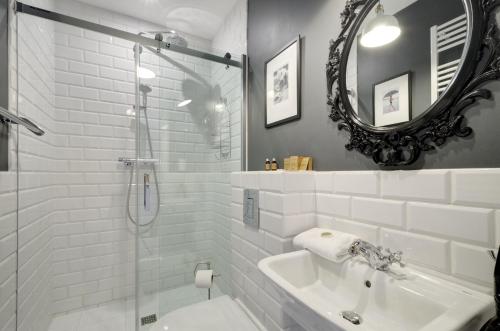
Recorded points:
(271, 24)
(410, 52)
(4, 82)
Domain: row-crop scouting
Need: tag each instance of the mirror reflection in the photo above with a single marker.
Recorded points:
(404, 58)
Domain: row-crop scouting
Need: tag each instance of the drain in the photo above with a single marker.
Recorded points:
(150, 319)
(352, 317)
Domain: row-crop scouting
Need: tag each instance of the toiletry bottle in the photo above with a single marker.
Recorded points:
(274, 165)
(268, 165)
(494, 323)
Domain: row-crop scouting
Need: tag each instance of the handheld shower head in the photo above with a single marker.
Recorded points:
(144, 88)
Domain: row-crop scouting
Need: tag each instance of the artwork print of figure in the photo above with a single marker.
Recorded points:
(281, 84)
(391, 102)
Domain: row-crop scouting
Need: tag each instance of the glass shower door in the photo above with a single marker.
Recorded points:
(194, 113)
(147, 194)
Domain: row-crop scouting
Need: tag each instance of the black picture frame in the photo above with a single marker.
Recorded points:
(410, 115)
(298, 115)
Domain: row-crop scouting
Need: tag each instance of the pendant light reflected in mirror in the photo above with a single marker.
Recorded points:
(381, 30)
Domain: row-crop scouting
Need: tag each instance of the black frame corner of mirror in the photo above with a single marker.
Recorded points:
(299, 84)
(402, 144)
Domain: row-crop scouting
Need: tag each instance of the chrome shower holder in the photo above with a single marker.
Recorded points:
(129, 162)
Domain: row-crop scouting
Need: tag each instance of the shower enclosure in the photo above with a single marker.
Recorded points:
(129, 188)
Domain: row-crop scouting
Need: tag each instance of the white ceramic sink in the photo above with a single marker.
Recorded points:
(315, 291)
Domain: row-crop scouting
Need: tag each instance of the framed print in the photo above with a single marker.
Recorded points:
(392, 100)
(282, 74)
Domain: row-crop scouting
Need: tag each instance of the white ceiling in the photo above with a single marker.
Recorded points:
(201, 18)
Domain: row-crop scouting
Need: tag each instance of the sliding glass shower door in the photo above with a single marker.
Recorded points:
(193, 112)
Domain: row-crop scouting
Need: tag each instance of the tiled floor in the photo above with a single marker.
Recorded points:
(119, 315)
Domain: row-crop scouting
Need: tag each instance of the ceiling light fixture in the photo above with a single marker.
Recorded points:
(145, 73)
(380, 31)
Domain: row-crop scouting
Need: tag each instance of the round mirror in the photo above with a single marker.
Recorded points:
(403, 59)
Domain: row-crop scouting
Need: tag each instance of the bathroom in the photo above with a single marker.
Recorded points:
(249, 165)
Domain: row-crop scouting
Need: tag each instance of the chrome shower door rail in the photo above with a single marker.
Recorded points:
(8, 117)
(145, 41)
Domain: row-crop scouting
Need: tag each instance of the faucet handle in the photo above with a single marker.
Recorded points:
(395, 257)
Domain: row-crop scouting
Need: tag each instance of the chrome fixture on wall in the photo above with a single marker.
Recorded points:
(136, 164)
(138, 38)
(8, 117)
(171, 37)
(222, 138)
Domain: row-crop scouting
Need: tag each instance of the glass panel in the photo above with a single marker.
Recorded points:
(8, 200)
(76, 245)
(148, 203)
(194, 111)
(39, 211)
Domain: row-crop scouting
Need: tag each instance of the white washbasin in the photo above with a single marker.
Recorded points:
(314, 291)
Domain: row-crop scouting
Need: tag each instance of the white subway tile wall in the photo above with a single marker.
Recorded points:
(287, 205)
(443, 220)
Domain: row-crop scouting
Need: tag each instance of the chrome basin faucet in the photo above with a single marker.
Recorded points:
(377, 258)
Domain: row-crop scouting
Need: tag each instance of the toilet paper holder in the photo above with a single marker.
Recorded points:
(208, 266)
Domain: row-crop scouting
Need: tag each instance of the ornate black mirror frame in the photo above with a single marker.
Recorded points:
(402, 144)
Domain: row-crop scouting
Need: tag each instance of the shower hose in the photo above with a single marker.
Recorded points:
(129, 214)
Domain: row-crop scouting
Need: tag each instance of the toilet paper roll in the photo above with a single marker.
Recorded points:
(204, 278)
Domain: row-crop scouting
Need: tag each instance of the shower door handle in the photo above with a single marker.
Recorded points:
(8, 117)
